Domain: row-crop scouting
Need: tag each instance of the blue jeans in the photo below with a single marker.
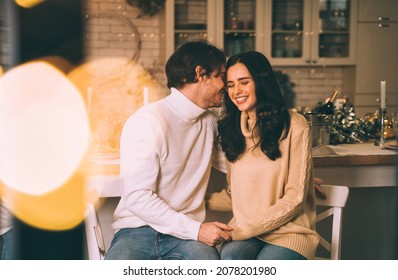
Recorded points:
(145, 243)
(8, 246)
(255, 249)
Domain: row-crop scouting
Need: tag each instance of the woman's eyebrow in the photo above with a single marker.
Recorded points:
(240, 79)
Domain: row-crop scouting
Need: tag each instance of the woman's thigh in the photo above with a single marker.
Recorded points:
(241, 249)
(274, 252)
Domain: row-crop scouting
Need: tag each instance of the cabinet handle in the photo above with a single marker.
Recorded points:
(308, 61)
(315, 61)
(381, 25)
(383, 18)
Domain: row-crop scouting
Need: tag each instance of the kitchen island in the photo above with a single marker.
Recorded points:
(370, 215)
(356, 165)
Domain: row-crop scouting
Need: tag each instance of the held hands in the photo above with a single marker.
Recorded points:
(214, 233)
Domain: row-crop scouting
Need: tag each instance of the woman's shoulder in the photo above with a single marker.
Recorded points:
(298, 120)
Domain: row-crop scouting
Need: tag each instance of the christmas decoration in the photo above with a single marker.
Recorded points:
(347, 128)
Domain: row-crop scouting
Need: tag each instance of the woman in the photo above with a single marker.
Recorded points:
(270, 172)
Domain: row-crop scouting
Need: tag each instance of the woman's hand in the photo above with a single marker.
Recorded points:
(318, 192)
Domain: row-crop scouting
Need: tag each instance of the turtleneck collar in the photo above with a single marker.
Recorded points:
(183, 107)
(246, 124)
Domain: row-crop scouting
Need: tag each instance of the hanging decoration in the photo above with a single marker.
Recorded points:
(147, 7)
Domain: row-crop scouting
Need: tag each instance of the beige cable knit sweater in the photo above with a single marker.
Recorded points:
(273, 200)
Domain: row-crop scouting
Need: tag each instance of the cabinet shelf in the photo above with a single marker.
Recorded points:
(229, 31)
(190, 31)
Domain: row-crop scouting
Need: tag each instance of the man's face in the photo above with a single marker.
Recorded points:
(214, 88)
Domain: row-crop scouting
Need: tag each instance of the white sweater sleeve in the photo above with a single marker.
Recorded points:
(140, 149)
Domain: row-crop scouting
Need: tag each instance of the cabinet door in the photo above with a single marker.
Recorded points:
(239, 25)
(372, 10)
(377, 60)
(287, 36)
(334, 23)
(188, 20)
(312, 32)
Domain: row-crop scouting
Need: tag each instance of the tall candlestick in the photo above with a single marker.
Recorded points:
(146, 95)
(383, 94)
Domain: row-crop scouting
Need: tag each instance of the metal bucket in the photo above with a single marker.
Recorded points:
(320, 128)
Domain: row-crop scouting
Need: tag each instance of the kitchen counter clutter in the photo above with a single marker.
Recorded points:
(356, 165)
(355, 154)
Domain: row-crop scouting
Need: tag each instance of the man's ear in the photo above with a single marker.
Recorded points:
(200, 73)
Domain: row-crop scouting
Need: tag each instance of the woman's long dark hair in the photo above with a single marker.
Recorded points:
(273, 118)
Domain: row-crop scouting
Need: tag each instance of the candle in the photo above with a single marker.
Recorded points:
(383, 94)
(89, 98)
(146, 95)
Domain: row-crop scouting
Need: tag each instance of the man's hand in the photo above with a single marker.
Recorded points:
(214, 233)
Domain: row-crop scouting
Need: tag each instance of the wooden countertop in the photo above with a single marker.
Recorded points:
(355, 160)
(354, 154)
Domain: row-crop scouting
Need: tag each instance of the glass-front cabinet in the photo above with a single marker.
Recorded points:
(190, 21)
(311, 32)
(229, 24)
(239, 32)
(288, 32)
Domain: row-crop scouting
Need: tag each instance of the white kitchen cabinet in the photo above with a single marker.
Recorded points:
(377, 55)
(230, 25)
(311, 32)
(288, 32)
(371, 10)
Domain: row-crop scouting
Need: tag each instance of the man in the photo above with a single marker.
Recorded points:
(166, 155)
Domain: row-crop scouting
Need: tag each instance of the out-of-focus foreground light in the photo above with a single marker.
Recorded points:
(28, 3)
(44, 138)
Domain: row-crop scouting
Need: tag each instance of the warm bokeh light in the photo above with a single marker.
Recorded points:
(28, 3)
(45, 136)
(118, 76)
(113, 88)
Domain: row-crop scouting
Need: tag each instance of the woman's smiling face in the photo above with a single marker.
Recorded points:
(242, 89)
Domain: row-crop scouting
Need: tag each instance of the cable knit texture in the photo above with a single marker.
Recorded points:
(165, 161)
(273, 200)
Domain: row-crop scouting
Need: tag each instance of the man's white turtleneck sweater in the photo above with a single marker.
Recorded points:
(166, 155)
